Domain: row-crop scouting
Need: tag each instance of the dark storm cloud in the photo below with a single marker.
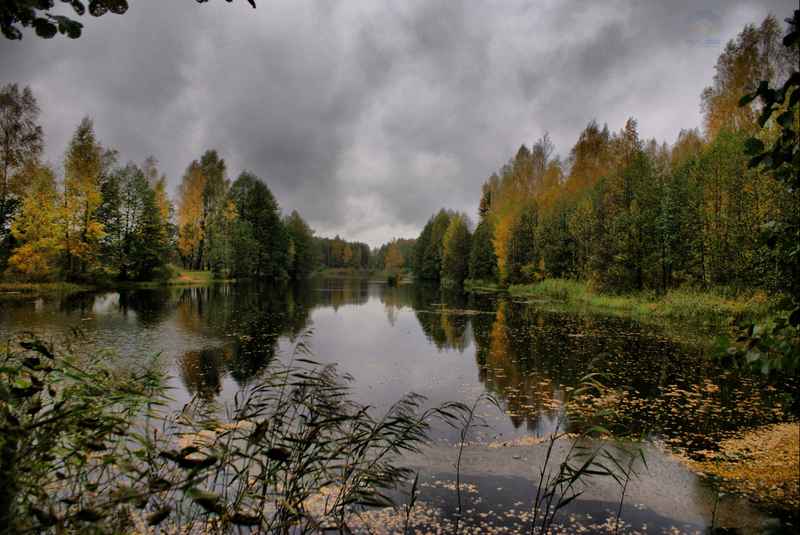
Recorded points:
(368, 116)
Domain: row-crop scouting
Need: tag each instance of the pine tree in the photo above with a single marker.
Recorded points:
(523, 255)
(432, 260)
(456, 244)
(148, 247)
(482, 259)
(302, 241)
(257, 207)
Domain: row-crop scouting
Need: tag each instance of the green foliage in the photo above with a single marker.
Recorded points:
(456, 244)
(482, 258)
(708, 306)
(257, 208)
(522, 261)
(429, 247)
(557, 245)
(63, 427)
(776, 348)
(83, 171)
(303, 257)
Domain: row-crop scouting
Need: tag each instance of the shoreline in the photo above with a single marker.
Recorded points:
(678, 304)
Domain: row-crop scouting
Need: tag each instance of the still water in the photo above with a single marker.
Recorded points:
(446, 346)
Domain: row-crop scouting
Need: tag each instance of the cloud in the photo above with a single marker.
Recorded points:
(368, 116)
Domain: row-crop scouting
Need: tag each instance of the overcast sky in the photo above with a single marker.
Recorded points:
(367, 116)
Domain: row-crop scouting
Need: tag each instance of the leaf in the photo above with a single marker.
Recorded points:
(278, 454)
(89, 515)
(159, 484)
(159, 516)
(44, 28)
(567, 501)
(38, 347)
(753, 146)
(794, 318)
(747, 99)
(45, 519)
(241, 519)
(207, 500)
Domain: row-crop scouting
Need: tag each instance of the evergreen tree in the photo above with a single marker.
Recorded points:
(432, 260)
(456, 244)
(256, 206)
(482, 259)
(420, 249)
(148, 246)
(301, 236)
(523, 255)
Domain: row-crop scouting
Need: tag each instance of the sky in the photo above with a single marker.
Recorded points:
(368, 116)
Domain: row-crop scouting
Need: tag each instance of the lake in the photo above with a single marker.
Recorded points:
(214, 340)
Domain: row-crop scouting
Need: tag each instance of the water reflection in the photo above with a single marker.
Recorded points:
(445, 345)
(202, 371)
(529, 356)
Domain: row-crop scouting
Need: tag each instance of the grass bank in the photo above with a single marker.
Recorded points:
(178, 277)
(678, 304)
(33, 289)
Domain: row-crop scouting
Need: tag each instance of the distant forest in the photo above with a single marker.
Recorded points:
(627, 213)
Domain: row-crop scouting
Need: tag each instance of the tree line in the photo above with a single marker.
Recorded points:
(100, 219)
(104, 220)
(627, 213)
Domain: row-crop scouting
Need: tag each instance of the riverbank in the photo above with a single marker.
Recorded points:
(32, 289)
(377, 275)
(678, 304)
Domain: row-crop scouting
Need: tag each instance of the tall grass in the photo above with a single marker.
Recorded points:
(91, 451)
(678, 304)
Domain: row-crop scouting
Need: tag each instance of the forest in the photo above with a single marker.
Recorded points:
(108, 221)
(626, 214)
